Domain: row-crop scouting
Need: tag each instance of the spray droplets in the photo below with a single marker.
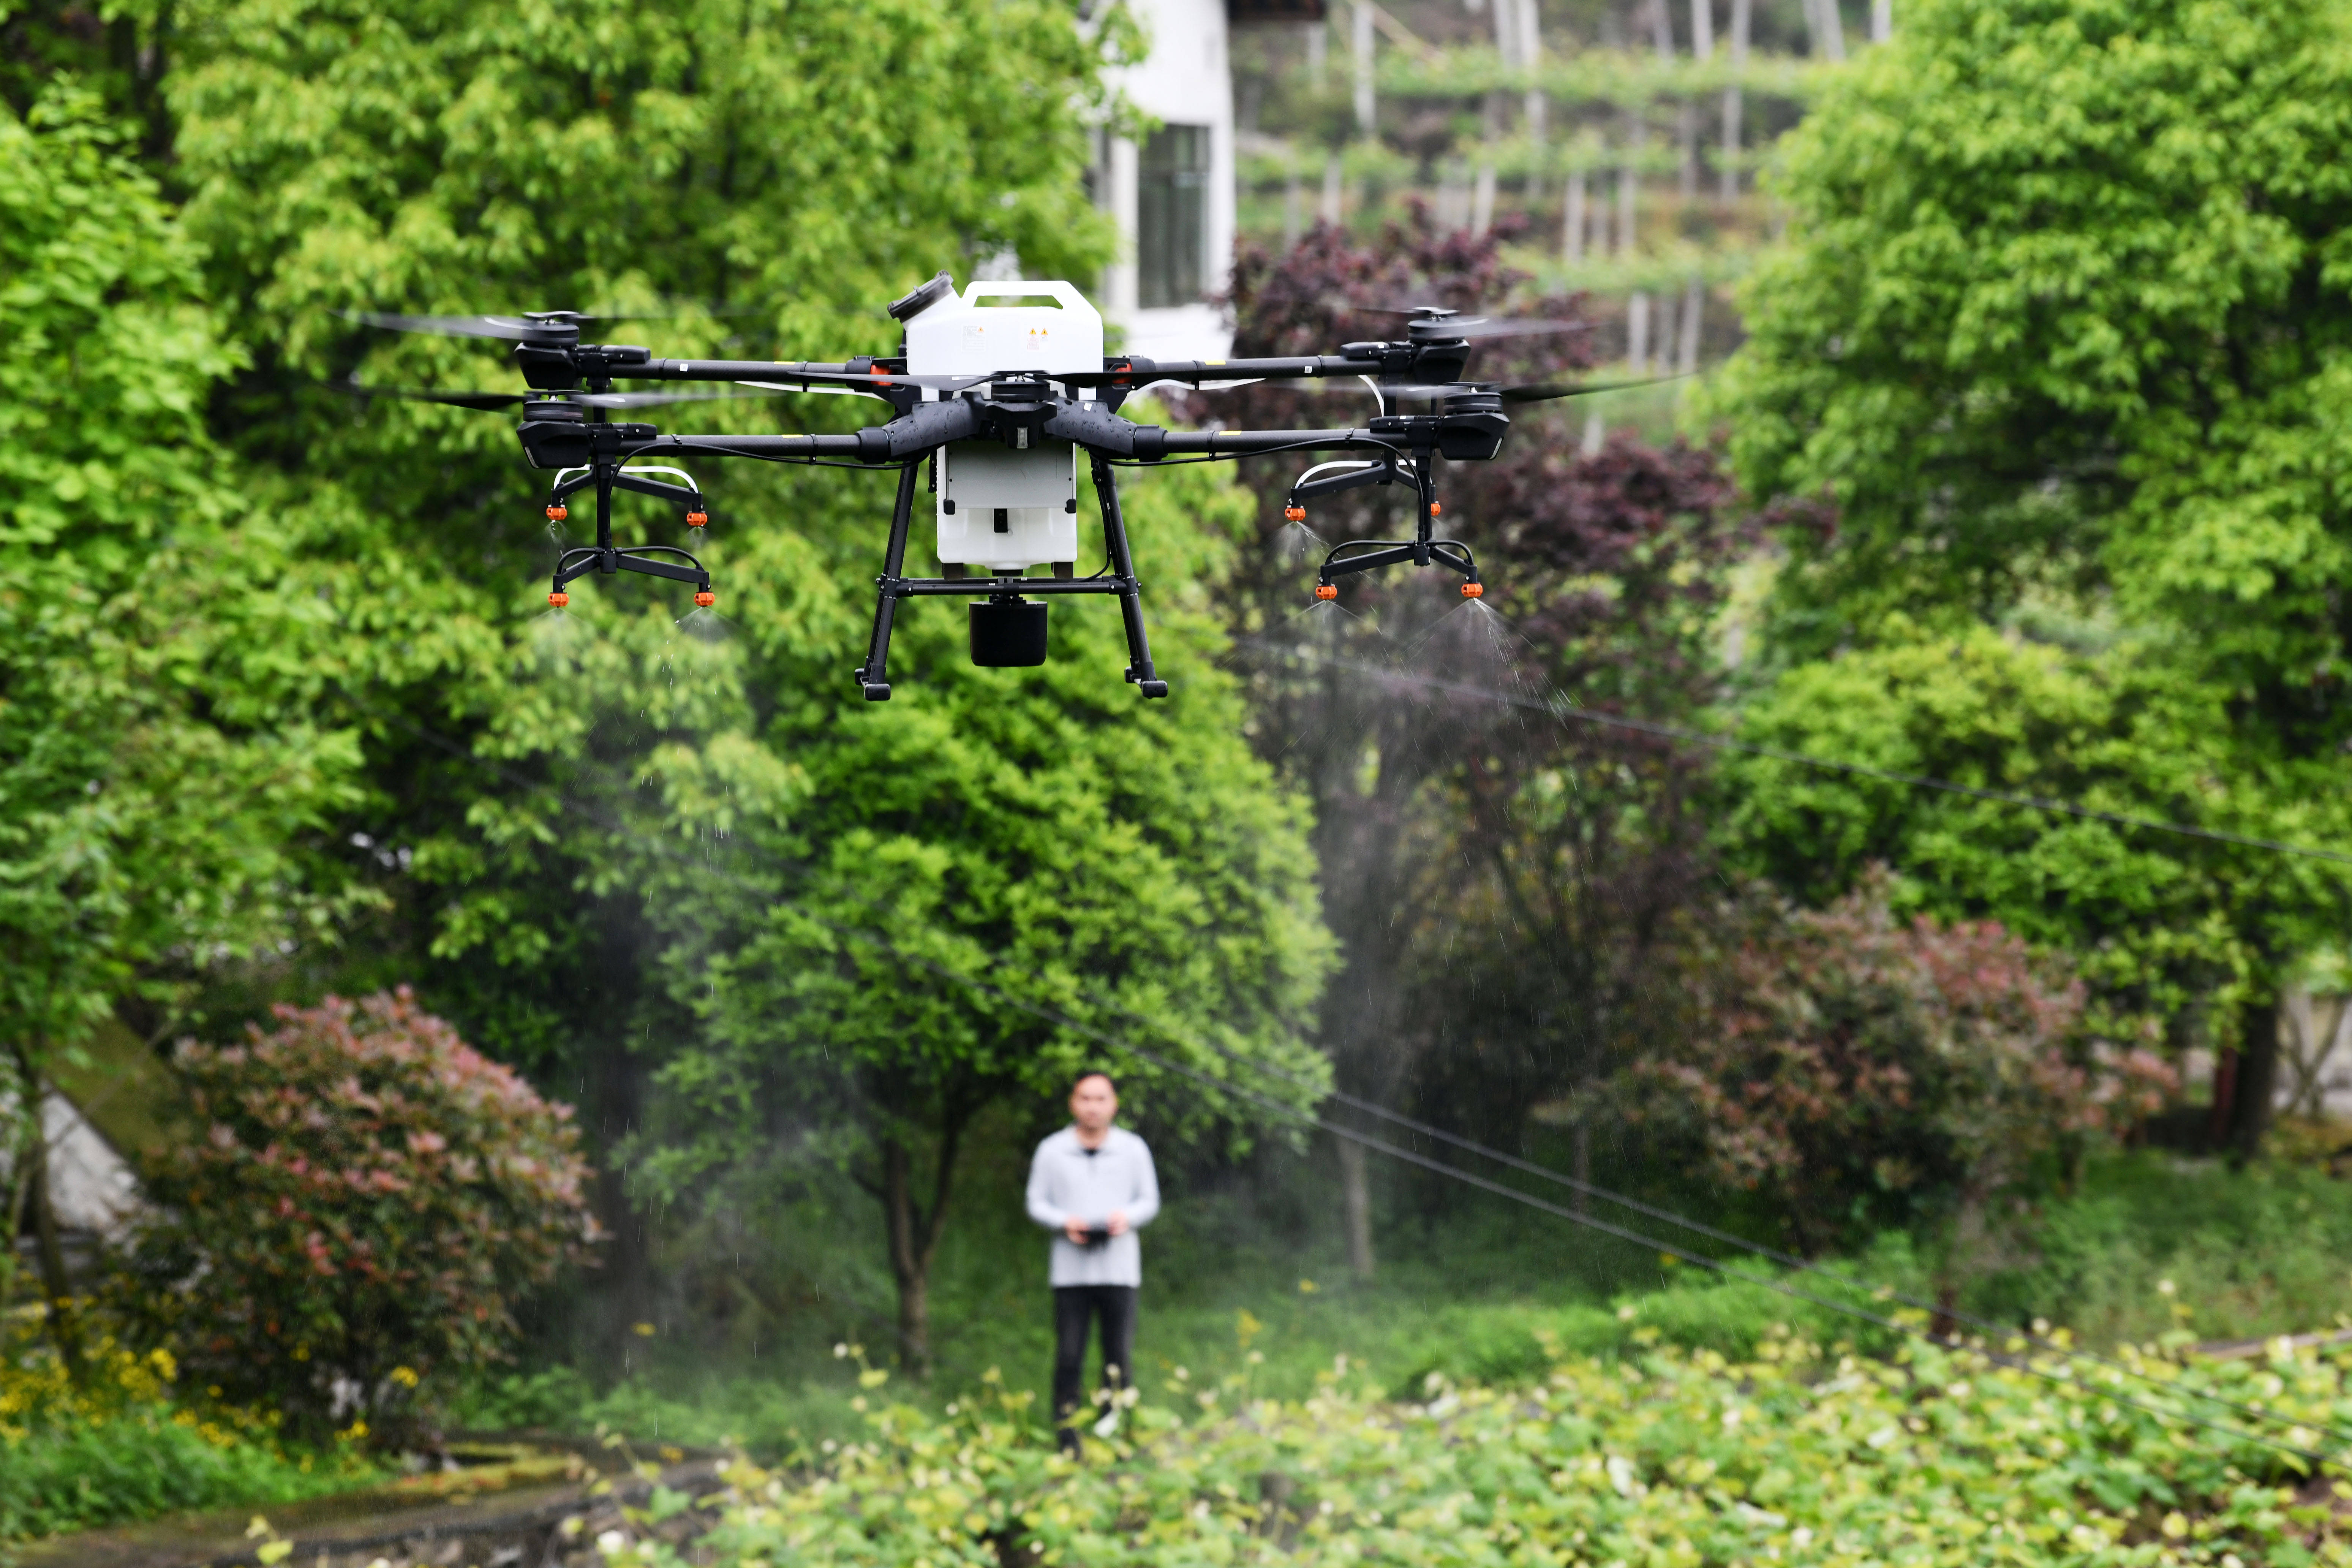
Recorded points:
(706, 625)
(1294, 542)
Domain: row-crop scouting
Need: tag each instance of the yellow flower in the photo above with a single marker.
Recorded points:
(404, 1377)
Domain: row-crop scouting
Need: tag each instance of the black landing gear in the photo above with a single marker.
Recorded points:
(1008, 630)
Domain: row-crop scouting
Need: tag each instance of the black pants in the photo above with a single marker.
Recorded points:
(1075, 1308)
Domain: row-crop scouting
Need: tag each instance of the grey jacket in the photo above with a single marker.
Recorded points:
(1066, 1178)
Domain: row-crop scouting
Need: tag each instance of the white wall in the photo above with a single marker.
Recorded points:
(1186, 81)
(91, 1185)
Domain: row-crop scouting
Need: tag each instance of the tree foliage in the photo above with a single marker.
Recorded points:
(163, 772)
(161, 766)
(1865, 1069)
(1499, 879)
(2155, 920)
(624, 844)
(352, 1230)
(2059, 344)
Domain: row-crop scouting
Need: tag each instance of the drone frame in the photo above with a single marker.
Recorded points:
(1017, 407)
(873, 676)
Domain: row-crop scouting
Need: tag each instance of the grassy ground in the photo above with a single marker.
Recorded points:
(1483, 1295)
(1239, 1287)
(124, 1447)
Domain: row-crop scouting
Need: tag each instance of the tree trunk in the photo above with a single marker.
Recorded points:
(1356, 1206)
(1581, 1164)
(1960, 1263)
(1742, 20)
(914, 1234)
(613, 1083)
(2257, 1078)
(57, 1290)
(2225, 1095)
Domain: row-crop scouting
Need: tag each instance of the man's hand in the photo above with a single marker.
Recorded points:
(1119, 1221)
(1075, 1229)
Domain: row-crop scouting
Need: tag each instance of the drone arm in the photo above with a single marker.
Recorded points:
(1250, 443)
(745, 370)
(924, 429)
(749, 446)
(1137, 372)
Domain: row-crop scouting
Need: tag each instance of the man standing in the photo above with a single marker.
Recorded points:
(1092, 1185)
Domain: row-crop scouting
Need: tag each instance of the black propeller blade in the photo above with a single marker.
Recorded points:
(1531, 392)
(523, 327)
(1437, 322)
(490, 401)
(507, 329)
(1545, 392)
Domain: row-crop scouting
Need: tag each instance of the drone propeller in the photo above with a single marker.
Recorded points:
(523, 327)
(1440, 322)
(490, 401)
(1545, 391)
(1531, 392)
(507, 329)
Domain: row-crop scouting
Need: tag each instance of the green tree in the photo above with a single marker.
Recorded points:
(765, 176)
(1132, 870)
(2061, 333)
(161, 767)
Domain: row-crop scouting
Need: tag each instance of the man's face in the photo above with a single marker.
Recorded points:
(1093, 1104)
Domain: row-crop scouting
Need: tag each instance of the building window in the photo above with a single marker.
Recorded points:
(1172, 216)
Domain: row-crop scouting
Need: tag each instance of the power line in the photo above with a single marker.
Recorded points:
(1413, 1157)
(1731, 1238)
(1560, 707)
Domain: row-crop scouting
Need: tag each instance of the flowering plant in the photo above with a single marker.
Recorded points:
(368, 1199)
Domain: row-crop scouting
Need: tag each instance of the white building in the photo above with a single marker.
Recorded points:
(1172, 193)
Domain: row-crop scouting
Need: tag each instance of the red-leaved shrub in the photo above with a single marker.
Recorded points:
(1862, 1069)
(364, 1201)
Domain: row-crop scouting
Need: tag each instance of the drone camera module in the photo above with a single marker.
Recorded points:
(1008, 632)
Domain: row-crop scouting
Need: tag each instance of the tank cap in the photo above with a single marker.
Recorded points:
(907, 307)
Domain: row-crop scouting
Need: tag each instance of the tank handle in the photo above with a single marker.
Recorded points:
(1065, 295)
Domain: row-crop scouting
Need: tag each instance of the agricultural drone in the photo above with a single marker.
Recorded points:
(994, 405)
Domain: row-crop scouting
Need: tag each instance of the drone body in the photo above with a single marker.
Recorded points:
(995, 406)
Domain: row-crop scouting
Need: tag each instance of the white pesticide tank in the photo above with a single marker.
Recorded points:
(960, 336)
(1001, 509)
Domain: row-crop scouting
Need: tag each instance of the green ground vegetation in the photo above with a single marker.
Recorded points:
(127, 1441)
(2150, 1250)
